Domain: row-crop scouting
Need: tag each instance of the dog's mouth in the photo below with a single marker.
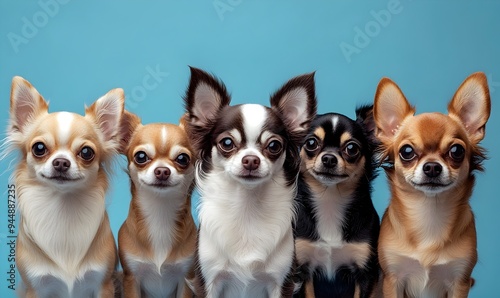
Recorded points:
(61, 179)
(331, 176)
(250, 176)
(431, 186)
(160, 185)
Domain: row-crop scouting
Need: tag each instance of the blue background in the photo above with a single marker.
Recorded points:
(75, 51)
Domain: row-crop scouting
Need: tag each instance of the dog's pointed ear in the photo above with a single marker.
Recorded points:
(205, 97)
(107, 113)
(471, 105)
(183, 121)
(26, 104)
(295, 103)
(390, 109)
(128, 125)
(364, 116)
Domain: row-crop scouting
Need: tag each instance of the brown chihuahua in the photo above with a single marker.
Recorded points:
(427, 243)
(157, 240)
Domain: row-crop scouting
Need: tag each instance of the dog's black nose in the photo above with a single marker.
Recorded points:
(162, 173)
(432, 169)
(61, 164)
(250, 162)
(329, 160)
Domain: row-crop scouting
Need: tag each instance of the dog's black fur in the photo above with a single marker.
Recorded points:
(360, 219)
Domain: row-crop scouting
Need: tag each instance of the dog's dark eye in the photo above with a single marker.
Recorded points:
(274, 147)
(351, 150)
(39, 149)
(182, 160)
(141, 157)
(86, 153)
(457, 152)
(226, 144)
(407, 153)
(311, 144)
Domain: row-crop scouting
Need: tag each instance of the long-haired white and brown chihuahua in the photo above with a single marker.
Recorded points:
(247, 179)
(157, 241)
(427, 243)
(65, 247)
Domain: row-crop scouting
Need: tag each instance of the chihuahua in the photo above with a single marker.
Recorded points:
(158, 239)
(247, 176)
(65, 247)
(427, 242)
(337, 226)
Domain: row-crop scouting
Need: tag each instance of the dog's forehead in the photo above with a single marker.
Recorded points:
(163, 136)
(432, 128)
(334, 129)
(64, 127)
(250, 120)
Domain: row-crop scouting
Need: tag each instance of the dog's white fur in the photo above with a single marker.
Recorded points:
(246, 245)
(60, 221)
(249, 224)
(157, 240)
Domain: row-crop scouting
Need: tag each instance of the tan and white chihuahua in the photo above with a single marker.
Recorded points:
(427, 244)
(158, 239)
(65, 247)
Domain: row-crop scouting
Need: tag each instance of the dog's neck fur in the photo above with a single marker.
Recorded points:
(228, 208)
(330, 203)
(62, 224)
(159, 213)
(430, 220)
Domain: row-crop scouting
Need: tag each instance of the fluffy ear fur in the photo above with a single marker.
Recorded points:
(107, 114)
(26, 104)
(364, 116)
(128, 125)
(183, 121)
(471, 105)
(295, 103)
(204, 99)
(390, 109)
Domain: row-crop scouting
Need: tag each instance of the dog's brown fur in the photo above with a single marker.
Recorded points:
(428, 235)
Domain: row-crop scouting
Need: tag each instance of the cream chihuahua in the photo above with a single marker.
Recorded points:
(65, 247)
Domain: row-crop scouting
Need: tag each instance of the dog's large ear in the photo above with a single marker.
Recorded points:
(390, 109)
(295, 103)
(205, 97)
(184, 121)
(471, 105)
(364, 116)
(26, 104)
(107, 113)
(128, 125)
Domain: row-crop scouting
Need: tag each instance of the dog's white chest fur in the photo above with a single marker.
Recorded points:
(55, 282)
(164, 281)
(63, 226)
(158, 278)
(329, 208)
(331, 251)
(246, 242)
(432, 281)
(160, 214)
